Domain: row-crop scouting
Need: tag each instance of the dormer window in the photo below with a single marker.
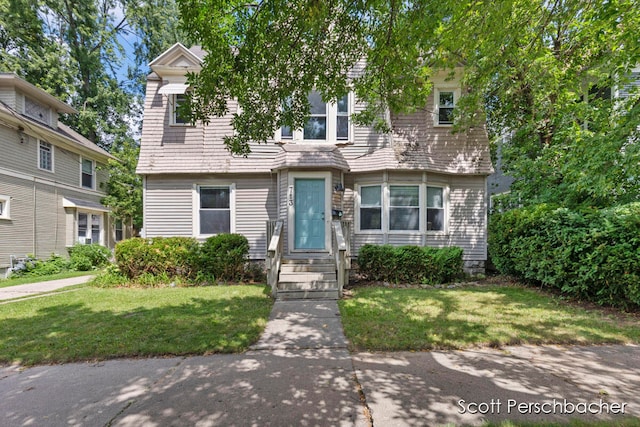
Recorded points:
(446, 103)
(177, 117)
(36, 110)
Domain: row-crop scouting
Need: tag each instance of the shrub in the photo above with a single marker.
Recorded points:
(410, 264)
(86, 257)
(224, 256)
(160, 256)
(33, 267)
(110, 277)
(593, 255)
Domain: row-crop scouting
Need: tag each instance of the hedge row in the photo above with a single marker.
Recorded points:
(593, 255)
(410, 264)
(221, 257)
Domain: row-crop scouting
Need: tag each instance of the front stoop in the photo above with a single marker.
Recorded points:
(311, 278)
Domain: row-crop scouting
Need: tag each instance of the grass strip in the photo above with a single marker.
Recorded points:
(387, 319)
(97, 324)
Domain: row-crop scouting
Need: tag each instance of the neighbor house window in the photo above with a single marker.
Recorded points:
(36, 110)
(87, 174)
(435, 209)
(446, 104)
(4, 206)
(215, 210)
(177, 116)
(118, 229)
(371, 207)
(45, 156)
(404, 207)
(89, 228)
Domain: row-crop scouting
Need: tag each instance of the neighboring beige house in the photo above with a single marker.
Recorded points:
(49, 178)
(420, 184)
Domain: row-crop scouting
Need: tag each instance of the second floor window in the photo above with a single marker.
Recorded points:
(327, 121)
(446, 104)
(87, 180)
(177, 117)
(45, 156)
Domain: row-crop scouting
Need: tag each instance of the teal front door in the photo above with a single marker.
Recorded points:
(309, 213)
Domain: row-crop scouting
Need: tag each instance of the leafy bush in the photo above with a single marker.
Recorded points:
(110, 277)
(86, 257)
(410, 264)
(224, 256)
(594, 255)
(160, 256)
(33, 267)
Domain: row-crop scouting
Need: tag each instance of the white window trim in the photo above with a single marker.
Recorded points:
(421, 200)
(196, 207)
(332, 127)
(358, 205)
(6, 208)
(46, 120)
(436, 102)
(386, 208)
(89, 214)
(172, 111)
(445, 206)
(94, 175)
(53, 163)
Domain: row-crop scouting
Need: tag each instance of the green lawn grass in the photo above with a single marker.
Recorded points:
(96, 324)
(424, 319)
(35, 279)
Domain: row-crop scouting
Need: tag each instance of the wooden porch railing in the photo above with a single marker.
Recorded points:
(274, 253)
(341, 251)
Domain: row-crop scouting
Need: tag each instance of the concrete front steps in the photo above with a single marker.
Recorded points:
(307, 278)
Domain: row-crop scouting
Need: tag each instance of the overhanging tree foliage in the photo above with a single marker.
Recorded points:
(531, 65)
(73, 50)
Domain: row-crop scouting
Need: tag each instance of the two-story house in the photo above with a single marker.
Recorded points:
(421, 184)
(49, 178)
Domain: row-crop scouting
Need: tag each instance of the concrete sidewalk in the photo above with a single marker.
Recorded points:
(32, 289)
(300, 373)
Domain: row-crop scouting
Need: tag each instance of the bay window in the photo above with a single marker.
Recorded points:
(435, 208)
(371, 207)
(401, 208)
(404, 207)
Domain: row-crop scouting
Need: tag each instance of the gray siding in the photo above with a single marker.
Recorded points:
(23, 158)
(169, 205)
(8, 96)
(38, 224)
